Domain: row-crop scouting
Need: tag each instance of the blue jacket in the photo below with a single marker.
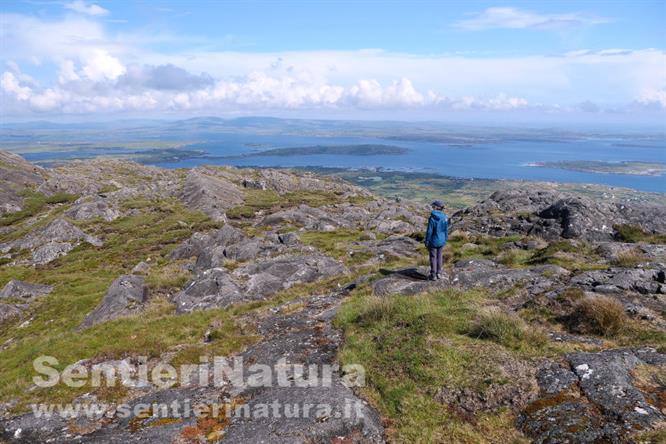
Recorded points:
(438, 230)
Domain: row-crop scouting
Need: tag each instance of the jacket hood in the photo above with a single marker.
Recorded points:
(436, 214)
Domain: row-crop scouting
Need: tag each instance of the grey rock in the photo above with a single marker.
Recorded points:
(289, 239)
(141, 268)
(392, 247)
(407, 282)
(271, 275)
(553, 215)
(199, 243)
(605, 379)
(244, 251)
(485, 273)
(554, 377)
(608, 289)
(96, 208)
(16, 175)
(191, 247)
(125, 296)
(592, 399)
(640, 280)
(24, 290)
(50, 251)
(308, 217)
(54, 240)
(11, 311)
(210, 289)
(204, 190)
(254, 184)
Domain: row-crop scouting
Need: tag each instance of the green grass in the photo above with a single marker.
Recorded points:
(486, 247)
(338, 244)
(33, 204)
(412, 346)
(572, 256)
(81, 278)
(634, 233)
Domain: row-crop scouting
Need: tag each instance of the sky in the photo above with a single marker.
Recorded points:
(601, 61)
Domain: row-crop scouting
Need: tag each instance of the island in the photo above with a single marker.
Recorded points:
(634, 168)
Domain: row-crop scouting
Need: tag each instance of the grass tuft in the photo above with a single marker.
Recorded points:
(633, 233)
(598, 315)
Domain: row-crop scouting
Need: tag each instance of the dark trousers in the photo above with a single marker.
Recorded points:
(435, 260)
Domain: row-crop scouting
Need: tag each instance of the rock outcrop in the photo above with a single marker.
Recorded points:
(24, 290)
(9, 312)
(553, 215)
(217, 287)
(94, 208)
(16, 175)
(206, 191)
(52, 241)
(595, 397)
(125, 296)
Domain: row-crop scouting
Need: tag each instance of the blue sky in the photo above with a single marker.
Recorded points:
(598, 60)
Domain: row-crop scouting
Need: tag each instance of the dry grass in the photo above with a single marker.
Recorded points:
(629, 259)
(599, 315)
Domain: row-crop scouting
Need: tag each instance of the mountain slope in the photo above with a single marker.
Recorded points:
(547, 299)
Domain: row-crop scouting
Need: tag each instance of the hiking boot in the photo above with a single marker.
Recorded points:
(432, 277)
(438, 276)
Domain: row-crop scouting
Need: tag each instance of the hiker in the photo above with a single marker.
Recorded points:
(436, 236)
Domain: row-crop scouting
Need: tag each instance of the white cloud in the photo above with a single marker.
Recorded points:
(82, 7)
(84, 68)
(653, 98)
(514, 18)
(10, 84)
(101, 65)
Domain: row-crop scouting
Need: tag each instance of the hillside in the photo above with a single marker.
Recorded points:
(549, 326)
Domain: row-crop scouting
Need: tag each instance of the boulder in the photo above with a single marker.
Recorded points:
(307, 217)
(392, 247)
(24, 290)
(289, 239)
(126, 295)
